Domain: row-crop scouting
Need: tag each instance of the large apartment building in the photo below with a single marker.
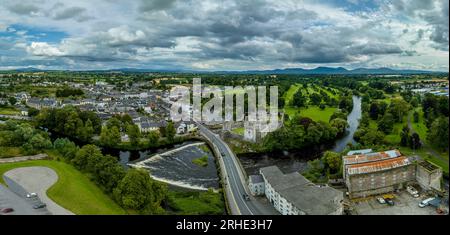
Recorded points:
(293, 194)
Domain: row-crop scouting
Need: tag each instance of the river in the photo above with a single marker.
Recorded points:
(353, 122)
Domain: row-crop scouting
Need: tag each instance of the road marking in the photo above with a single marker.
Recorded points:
(232, 173)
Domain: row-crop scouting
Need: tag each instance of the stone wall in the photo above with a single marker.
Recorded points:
(363, 185)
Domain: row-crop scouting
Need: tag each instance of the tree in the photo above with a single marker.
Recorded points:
(66, 148)
(404, 136)
(12, 100)
(137, 191)
(153, 138)
(114, 122)
(416, 117)
(315, 99)
(88, 131)
(386, 124)
(333, 161)
(133, 133)
(108, 173)
(298, 100)
(438, 133)
(110, 137)
(414, 141)
(81, 159)
(170, 132)
(38, 142)
(340, 124)
(114, 136)
(398, 108)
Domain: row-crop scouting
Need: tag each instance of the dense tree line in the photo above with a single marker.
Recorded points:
(133, 189)
(24, 135)
(70, 121)
(300, 133)
(69, 92)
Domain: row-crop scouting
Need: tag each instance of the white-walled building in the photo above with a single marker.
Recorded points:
(256, 185)
(293, 194)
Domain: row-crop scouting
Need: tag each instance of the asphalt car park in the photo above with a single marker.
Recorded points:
(404, 204)
(20, 204)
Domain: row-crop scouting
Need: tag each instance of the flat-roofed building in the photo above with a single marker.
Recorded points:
(376, 173)
(429, 176)
(256, 185)
(293, 194)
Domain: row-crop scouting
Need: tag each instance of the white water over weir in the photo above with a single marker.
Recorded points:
(175, 167)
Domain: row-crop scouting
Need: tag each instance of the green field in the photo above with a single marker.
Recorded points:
(394, 137)
(9, 111)
(290, 94)
(73, 190)
(313, 112)
(196, 203)
(420, 128)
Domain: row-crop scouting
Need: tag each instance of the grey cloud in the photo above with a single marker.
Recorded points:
(23, 8)
(68, 13)
(155, 5)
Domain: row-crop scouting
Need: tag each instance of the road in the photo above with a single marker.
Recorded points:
(236, 181)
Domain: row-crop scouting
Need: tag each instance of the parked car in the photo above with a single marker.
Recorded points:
(246, 197)
(425, 202)
(381, 200)
(6, 210)
(389, 201)
(411, 190)
(39, 206)
(31, 195)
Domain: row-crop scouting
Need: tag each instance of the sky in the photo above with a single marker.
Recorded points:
(224, 34)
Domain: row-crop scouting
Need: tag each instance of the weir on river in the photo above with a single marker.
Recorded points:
(175, 167)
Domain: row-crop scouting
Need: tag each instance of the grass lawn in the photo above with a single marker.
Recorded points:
(394, 137)
(424, 154)
(73, 190)
(420, 128)
(6, 152)
(9, 111)
(313, 112)
(239, 131)
(196, 203)
(288, 96)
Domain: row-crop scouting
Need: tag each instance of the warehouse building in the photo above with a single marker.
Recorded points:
(293, 194)
(376, 173)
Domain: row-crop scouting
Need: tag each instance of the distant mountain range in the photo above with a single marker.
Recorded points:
(294, 71)
(337, 71)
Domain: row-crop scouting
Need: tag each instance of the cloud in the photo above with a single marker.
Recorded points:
(43, 49)
(24, 9)
(226, 35)
(155, 5)
(71, 12)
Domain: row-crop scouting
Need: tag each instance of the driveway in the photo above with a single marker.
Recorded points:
(37, 180)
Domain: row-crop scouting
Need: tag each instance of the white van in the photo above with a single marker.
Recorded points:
(425, 202)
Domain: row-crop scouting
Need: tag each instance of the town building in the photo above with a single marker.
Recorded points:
(293, 194)
(429, 176)
(376, 173)
(256, 185)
